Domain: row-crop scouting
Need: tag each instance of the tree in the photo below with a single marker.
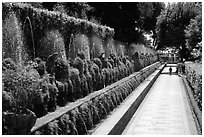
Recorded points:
(150, 21)
(75, 9)
(171, 25)
(129, 19)
(193, 31)
(48, 5)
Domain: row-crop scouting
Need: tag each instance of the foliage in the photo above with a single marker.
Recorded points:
(76, 81)
(194, 77)
(66, 125)
(193, 32)
(52, 128)
(75, 9)
(22, 87)
(78, 121)
(94, 113)
(8, 63)
(172, 23)
(79, 64)
(61, 69)
(7, 101)
(55, 17)
(26, 85)
(84, 117)
(87, 115)
(127, 18)
(88, 77)
(44, 24)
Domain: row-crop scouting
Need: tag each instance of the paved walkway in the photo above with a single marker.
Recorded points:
(165, 110)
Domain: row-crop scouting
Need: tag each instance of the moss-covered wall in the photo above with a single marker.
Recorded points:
(39, 33)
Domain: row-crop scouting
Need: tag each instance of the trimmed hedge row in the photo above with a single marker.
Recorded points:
(83, 118)
(69, 83)
(194, 79)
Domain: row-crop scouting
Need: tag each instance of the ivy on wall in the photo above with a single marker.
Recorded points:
(43, 21)
(48, 19)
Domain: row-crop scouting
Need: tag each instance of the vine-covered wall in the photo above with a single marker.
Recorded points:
(40, 33)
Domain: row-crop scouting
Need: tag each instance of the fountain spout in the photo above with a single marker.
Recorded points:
(31, 31)
(70, 42)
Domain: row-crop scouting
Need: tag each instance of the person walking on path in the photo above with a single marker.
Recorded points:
(170, 70)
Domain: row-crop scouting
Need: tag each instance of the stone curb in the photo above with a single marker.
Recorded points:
(196, 110)
(117, 121)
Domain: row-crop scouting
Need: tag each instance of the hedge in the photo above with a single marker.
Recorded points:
(194, 77)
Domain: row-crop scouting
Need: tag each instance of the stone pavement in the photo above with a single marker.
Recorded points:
(165, 109)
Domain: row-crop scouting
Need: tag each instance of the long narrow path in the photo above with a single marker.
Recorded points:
(165, 110)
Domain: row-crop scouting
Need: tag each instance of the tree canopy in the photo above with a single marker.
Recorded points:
(129, 19)
(179, 25)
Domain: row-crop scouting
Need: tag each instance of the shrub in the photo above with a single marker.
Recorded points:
(23, 86)
(52, 102)
(99, 77)
(106, 76)
(89, 78)
(96, 82)
(69, 91)
(102, 110)
(7, 101)
(61, 97)
(105, 103)
(41, 101)
(109, 100)
(8, 63)
(84, 85)
(46, 100)
(76, 81)
(78, 121)
(87, 115)
(114, 99)
(194, 78)
(94, 113)
(92, 73)
(90, 113)
(61, 69)
(124, 90)
(40, 66)
(66, 125)
(52, 128)
(79, 64)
